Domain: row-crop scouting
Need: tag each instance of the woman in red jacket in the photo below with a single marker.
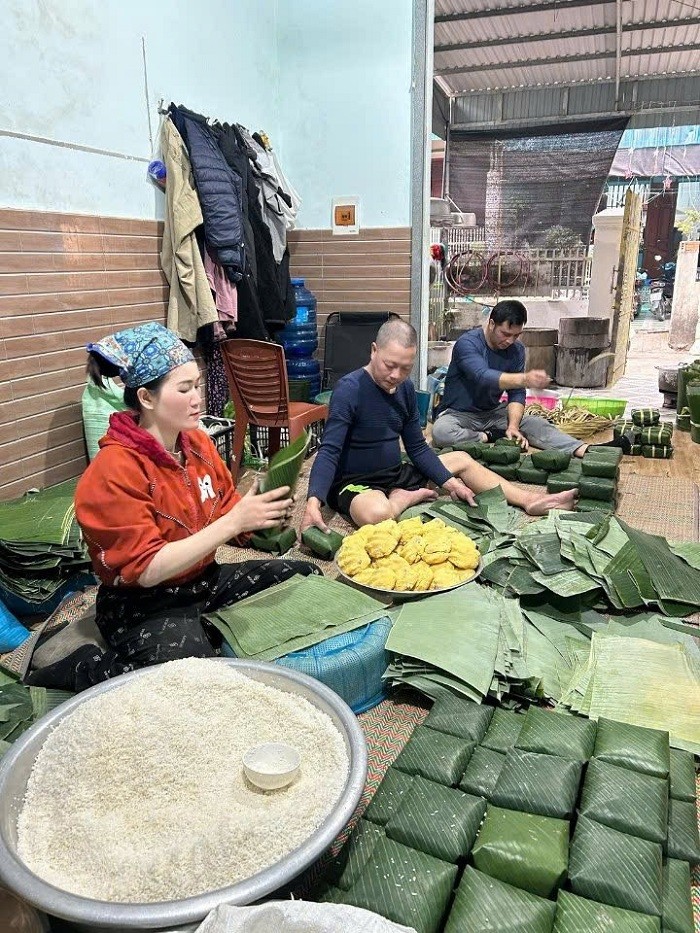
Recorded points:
(154, 505)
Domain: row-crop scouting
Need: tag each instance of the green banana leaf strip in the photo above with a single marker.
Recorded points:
(535, 783)
(627, 574)
(347, 866)
(389, 797)
(528, 851)
(274, 540)
(580, 915)
(677, 903)
(611, 867)
(435, 756)
(485, 905)
(460, 717)
(557, 734)
(568, 583)
(673, 578)
(481, 774)
(682, 775)
(626, 800)
(286, 465)
(689, 551)
(621, 743)
(404, 885)
(437, 820)
(683, 842)
(545, 552)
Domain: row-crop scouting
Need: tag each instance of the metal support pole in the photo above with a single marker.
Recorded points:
(421, 132)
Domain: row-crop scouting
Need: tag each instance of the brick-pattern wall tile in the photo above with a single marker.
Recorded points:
(65, 279)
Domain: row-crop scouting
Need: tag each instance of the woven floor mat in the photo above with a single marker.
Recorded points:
(660, 505)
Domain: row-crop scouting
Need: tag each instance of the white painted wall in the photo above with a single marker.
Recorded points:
(72, 71)
(329, 80)
(345, 106)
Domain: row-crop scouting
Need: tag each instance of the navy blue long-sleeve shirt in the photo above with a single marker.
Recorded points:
(472, 377)
(362, 434)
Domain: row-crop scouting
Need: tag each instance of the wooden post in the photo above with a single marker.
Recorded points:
(686, 297)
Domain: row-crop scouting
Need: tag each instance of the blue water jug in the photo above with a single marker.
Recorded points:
(300, 338)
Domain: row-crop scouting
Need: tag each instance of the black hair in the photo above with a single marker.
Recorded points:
(98, 369)
(510, 311)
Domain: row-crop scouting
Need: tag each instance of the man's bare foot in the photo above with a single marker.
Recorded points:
(402, 499)
(558, 500)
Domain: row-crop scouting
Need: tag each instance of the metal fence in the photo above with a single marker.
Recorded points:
(472, 270)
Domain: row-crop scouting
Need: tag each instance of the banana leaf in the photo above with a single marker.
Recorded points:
(276, 540)
(580, 915)
(347, 866)
(553, 461)
(507, 471)
(682, 774)
(435, 756)
(403, 885)
(611, 867)
(474, 448)
(562, 482)
(635, 747)
(528, 851)
(437, 820)
(673, 578)
(286, 465)
(501, 455)
(677, 904)
(599, 466)
(485, 905)
(659, 434)
(567, 583)
(323, 544)
(544, 551)
(689, 551)
(389, 797)
(645, 417)
(683, 841)
(503, 731)
(535, 783)
(460, 717)
(528, 474)
(627, 575)
(613, 454)
(654, 452)
(557, 734)
(631, 802)
(595, 487)
(481, 774)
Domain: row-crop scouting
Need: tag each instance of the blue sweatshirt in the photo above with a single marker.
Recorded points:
(472, 378)
(362, 434)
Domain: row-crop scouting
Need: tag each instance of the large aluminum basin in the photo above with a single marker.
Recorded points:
(92, 915)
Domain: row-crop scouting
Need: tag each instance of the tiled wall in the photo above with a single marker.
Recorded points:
(367, 272)
(64, 280)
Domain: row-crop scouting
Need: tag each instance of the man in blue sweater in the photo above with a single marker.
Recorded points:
(358, 470)
(486, 362)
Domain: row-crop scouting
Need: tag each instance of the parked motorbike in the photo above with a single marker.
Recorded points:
(662, 292)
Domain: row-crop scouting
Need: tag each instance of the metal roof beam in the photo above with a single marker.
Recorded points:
(558, 119)
(618, 49)
(560, 60)
(568, 34)
(519, 10)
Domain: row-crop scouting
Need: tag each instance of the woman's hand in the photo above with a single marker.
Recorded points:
(257, 510)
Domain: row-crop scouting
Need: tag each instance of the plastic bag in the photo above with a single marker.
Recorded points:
(297, 917)
(12, 632)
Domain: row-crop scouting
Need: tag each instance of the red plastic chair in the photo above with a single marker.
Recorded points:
(257, 377)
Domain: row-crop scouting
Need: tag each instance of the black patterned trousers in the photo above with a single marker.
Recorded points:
(150, 625)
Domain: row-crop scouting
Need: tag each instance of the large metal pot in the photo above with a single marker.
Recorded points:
(100, 915)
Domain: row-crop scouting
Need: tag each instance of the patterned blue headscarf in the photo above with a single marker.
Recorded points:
(143, 353)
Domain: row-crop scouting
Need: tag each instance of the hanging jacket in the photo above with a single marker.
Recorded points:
(190, 305)
(134, 498)
(219, 189)
(275, 295)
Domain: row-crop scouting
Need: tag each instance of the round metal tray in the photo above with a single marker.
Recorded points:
(17, 764)
(404, 595)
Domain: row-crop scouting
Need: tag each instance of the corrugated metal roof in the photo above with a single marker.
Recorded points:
(541, 43)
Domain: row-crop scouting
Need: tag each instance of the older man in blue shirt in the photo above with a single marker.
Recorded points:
(486, 362)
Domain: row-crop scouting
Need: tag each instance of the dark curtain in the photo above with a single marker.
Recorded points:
(534, 187)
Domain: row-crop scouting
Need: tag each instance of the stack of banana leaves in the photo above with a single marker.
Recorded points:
(21, 706)
(582, 611)
(40, 544)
